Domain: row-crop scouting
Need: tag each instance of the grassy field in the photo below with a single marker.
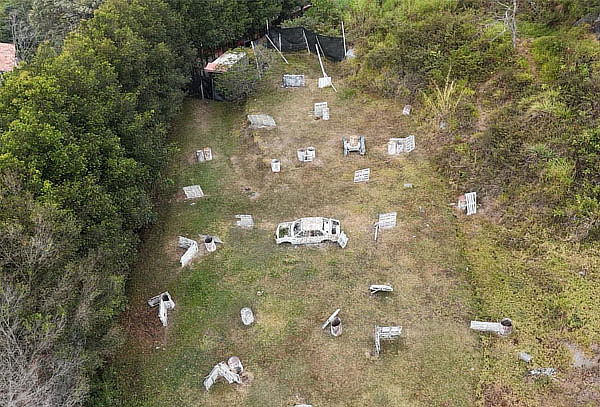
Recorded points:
(292, 290)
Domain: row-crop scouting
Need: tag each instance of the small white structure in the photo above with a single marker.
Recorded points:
(331, 318)
(244, 221)
(343, 240)
(190, 253)
(385, 333)
(204, 155)
(354, 144)
(326, 113)
(235, 365)
(324, 82)
(261, 121)
(193, 192)
(502, 328)
(318, 109)
(307, 154)
(165, 303)
(247, 316)
(210, 244)
(293, 81)
(221, 370)
(275, 165)
(336, 327)
(468, 201)
(362, 175)
(408, 186)
(525, 357)
(398, 146)
(406, 110)
(387, 220)
(377, 288)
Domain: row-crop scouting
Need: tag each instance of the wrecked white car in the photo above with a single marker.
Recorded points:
(311, 231)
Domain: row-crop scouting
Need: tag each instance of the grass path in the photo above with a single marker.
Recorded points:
(290, 359)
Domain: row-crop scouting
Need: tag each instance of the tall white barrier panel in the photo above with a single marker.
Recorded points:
(318, 109)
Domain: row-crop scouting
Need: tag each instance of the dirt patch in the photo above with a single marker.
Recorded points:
(582, 361)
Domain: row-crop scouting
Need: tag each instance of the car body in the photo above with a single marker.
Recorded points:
(311, 230)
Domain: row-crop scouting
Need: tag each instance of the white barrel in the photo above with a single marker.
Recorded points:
(311, 153)
(301, 154)
(506, 327)
(325, 113)
(392, 147)
(275, 165)
(210, 244)
(235, 364)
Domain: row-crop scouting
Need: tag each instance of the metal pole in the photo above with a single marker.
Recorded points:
(201, 88)
(275, 46)
(321, 62)
(344, 37)
(279, 40)
(306, 40)
(255, 59)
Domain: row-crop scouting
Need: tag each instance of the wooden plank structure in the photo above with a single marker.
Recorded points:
(204, 155)
(307, 154)
(318, 109)
(362, 175)
(385, 333)
(193, 192)
(354, 144)
(387, 220)
(165, 303)
(221, 370)
(293, 81)
(190, 253)
(398, 146)
(324, 82)
(468, 202)
(380, 288)
(244, 221)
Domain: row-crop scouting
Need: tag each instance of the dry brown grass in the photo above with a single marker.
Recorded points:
(287, 354)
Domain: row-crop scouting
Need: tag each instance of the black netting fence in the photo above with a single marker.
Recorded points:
(298, 38)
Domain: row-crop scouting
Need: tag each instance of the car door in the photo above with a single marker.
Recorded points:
(315, 236)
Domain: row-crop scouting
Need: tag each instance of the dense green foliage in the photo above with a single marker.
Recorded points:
(83, 143)
(546, 128)
(525, 135)
(324, 17)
